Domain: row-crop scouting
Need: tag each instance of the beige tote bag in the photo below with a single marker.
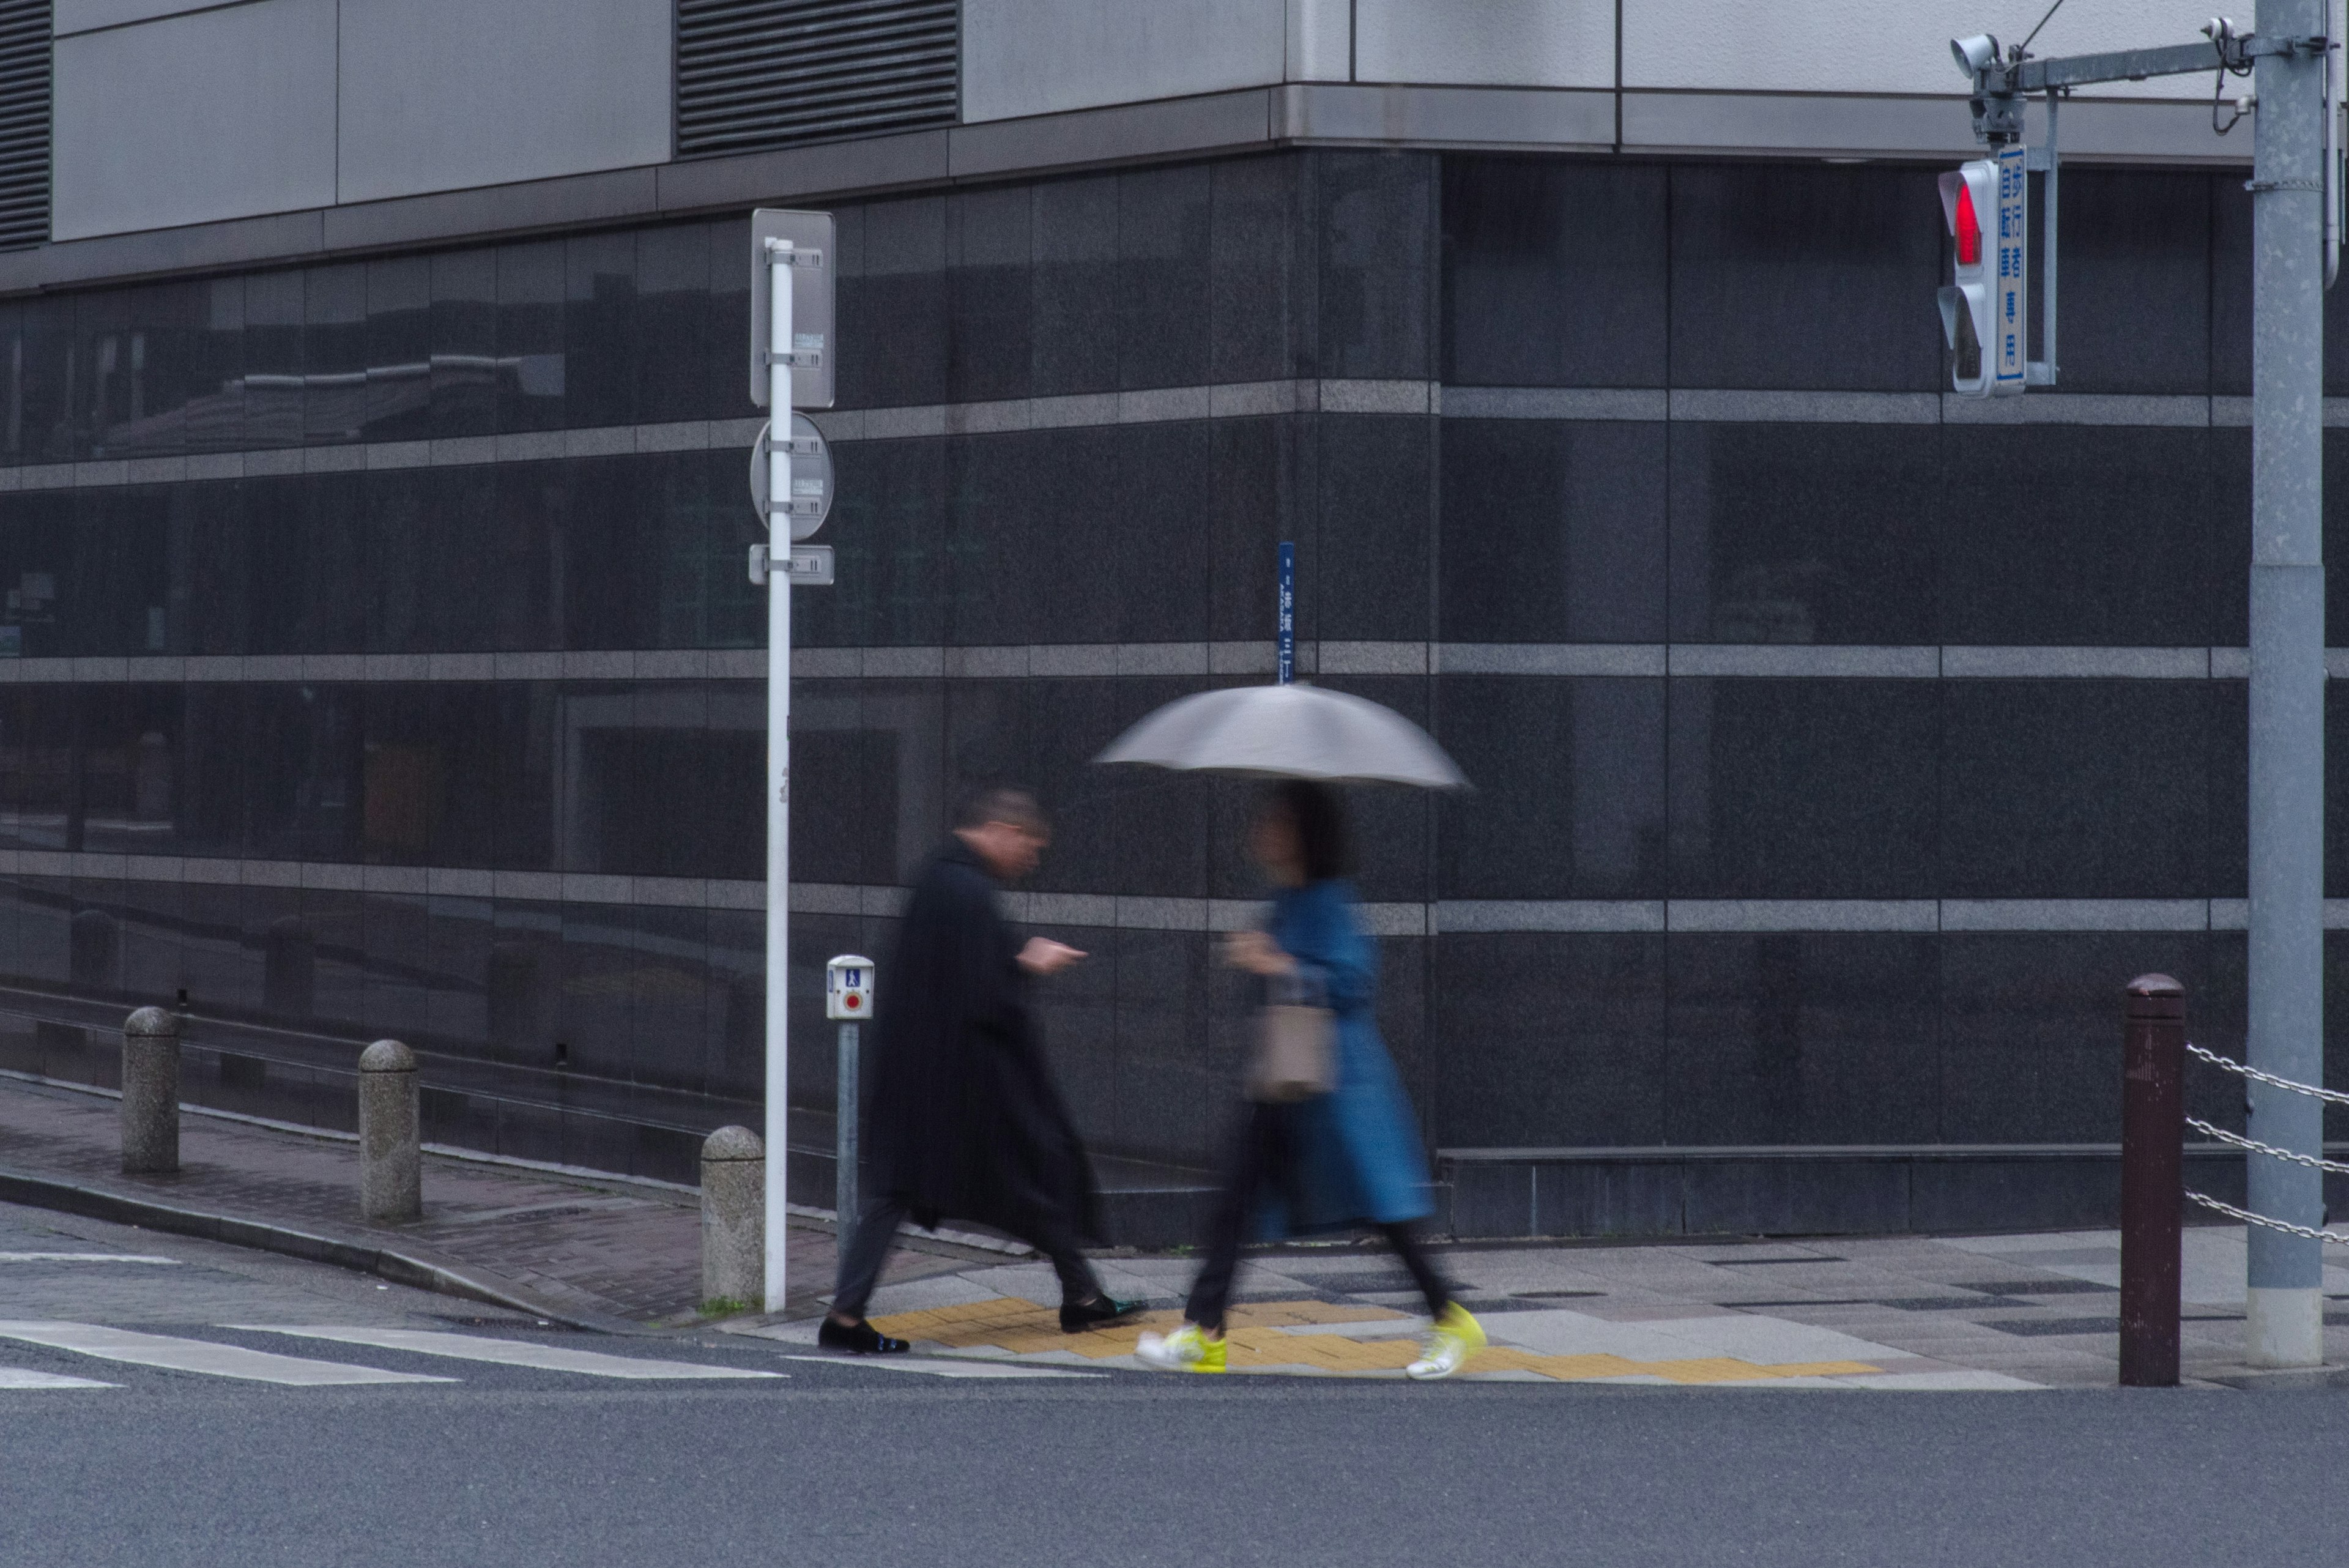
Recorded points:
(1295, 1056)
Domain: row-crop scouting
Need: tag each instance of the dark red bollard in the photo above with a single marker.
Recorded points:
(2152, 1179)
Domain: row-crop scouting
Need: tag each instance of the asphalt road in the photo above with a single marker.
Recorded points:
(852, 1463)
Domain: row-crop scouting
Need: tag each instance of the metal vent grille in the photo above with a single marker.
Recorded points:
(24, 123)
(754, 73)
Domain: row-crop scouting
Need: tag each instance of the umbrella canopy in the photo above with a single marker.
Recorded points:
(1297, 731)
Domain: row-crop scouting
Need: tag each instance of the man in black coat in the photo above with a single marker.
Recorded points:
(967, 1123)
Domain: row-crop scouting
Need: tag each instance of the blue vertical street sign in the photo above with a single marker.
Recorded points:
(1287, 665)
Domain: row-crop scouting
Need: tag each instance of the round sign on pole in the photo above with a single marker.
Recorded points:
(811, 500)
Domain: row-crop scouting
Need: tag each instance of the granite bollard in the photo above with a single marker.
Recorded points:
(733, 1216)
(391, 1166)
(151, 1092)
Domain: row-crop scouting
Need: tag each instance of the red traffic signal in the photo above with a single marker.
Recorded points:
(1966, 302)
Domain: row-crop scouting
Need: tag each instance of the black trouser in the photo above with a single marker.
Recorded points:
(868, 1249)
(1263, 1153)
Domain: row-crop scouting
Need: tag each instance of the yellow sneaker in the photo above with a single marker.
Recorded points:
(1187, 1349)
(1455, 1337)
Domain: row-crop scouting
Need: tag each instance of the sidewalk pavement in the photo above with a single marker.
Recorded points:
(609, 1252)
(2008, 1312)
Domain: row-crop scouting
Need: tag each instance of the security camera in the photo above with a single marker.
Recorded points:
(1974, 53)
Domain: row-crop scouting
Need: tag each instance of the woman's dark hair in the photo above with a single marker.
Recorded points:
(1320, 821)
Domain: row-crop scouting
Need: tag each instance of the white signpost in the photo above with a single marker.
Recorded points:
(791, 256)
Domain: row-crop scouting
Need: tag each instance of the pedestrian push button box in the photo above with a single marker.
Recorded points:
(848, 988)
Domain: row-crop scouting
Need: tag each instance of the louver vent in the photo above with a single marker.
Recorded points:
(24, 123)
(754, 73)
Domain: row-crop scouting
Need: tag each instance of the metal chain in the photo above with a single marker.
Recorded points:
(2305, 1233)
(2256, 1146)
(2332, 1096)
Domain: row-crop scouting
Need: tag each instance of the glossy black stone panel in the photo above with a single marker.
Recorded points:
(1850, 252)
(2076, 789)
(888, 535)
(1263, 472)
(1803, 1037)
(1555, 272)
(1165, 484)
(599, 329)
(2136, 249)
(1569, 794)
(892, 302)
(1548, 1040)
(1553, 531)
(992, 552)
(1374, 479)
(990, 295)
(1264, 288)
(1378, 264)
(2115, 536)
(1166, 263)
(1078, 288)
(1805, 532)
(1804, 789)
(1072, 587)
(2032, 1030)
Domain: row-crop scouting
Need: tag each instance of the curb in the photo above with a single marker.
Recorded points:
(360, 1257)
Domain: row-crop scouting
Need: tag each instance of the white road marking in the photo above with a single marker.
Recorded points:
(505, 1352)
(200, 1356)
(83, 1258)
(25, 1377)
(945, 1368)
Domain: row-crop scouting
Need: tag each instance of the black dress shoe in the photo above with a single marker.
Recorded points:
(859, 1339)
(1078, 1317)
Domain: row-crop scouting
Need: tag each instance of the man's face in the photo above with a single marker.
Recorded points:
(1011, 850)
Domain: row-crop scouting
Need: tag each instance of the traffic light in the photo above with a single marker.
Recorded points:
(1969, 203)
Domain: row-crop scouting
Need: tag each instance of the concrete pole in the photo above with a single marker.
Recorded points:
(779, 759)
(2283, 1307)
(391, 1164)
(2153, 1183)
(151, 1092)
(733, 1219)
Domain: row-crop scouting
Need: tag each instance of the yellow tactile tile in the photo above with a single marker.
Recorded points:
(1257, 1344)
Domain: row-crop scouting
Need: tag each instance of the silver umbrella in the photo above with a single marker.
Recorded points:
(1299, 732)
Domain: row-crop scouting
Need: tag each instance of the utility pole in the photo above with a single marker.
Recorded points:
(2295, 188)
(2285, 1307)
(791, 270)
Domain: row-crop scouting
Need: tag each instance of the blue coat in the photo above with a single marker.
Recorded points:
(1358, 1153)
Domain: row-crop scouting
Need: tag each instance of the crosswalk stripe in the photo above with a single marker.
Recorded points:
(83, 1258)
(504, 1352)
(200, 1356)
(25, 1378)
(944, 1368)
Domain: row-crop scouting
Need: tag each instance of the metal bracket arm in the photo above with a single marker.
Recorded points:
(2000, 86)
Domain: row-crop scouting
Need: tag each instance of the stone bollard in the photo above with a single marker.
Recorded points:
(151, 1092)
(733, 1217)
(391, 1168)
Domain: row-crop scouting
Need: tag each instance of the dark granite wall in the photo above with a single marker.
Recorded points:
(1364, 266)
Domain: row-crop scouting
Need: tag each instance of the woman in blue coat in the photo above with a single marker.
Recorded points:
(1348, 1158)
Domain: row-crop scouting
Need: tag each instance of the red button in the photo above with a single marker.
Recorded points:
(851, 999)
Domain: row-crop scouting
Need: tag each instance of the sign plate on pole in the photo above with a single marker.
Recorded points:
(811, 501)
(2011, 352)
(815, 263)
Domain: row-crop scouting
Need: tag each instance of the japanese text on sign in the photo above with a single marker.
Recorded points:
(2010, 354)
